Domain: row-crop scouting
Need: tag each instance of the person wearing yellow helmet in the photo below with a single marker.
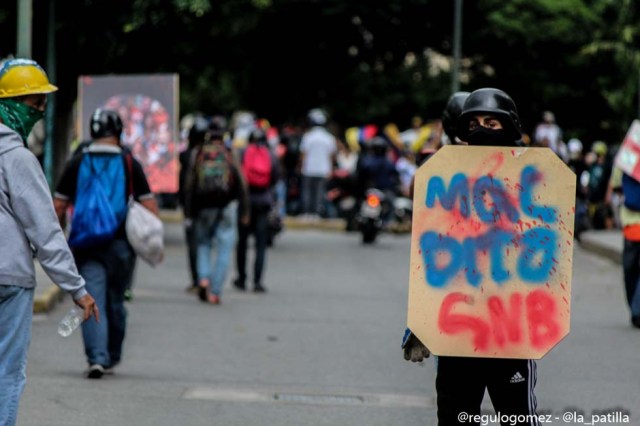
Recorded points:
(27, 219)
(23, 95)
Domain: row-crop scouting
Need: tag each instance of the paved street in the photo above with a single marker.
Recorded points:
(322, 347)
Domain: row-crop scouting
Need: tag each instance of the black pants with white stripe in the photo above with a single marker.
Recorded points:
(461, 383)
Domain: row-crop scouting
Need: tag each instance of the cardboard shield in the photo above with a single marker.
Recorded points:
(491, 252)
(628, 157)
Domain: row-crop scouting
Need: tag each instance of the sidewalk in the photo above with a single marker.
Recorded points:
(607, 244)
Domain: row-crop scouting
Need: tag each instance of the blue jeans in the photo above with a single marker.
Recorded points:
(281, 198)
(16, 306)
(107, 273)
(219, 225)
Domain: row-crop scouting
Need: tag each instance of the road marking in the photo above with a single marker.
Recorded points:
(239, 395)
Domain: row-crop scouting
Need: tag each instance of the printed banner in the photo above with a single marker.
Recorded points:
(628, 156)
(491, 252)
(148, 106)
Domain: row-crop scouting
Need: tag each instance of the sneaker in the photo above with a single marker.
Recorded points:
(239, 284)
(109, 371)
(635, 321)
(259, 288)
(95, 371)
(214, 299)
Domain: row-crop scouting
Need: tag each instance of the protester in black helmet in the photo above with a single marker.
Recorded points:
(106, 263)
(450, 116)
(374, 168)
(488, 118)
(196, 137)
(449, 124)
(261, 172)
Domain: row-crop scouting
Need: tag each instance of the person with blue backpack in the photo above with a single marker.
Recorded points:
(28, 227)
(630, 223)
(98, 183)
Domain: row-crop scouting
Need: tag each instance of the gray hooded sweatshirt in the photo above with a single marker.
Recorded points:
(27, 218)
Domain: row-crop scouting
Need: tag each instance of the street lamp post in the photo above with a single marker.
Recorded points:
(457, 41)
(25, 14)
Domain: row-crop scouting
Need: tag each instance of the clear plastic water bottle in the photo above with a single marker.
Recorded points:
(70, 322)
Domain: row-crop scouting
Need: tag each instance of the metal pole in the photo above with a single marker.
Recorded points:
(25, 15)
(457, 41)
(51, 99)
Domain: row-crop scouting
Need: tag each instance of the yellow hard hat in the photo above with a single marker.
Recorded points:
(599, 148)
(20, 77)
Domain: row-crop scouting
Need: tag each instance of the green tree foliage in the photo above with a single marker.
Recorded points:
(364, 61)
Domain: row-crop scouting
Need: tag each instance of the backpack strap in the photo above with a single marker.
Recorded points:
(129, 161)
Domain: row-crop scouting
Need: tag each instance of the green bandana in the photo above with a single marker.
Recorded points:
(19, 117)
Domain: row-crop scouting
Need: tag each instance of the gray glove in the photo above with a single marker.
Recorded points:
(414, 350)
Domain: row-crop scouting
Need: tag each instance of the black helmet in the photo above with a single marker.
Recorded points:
(216, 129)
(105, 123)
(258, 136)
(219, 122)
(198, 130)
(452, 112)
(490, 101)
(378, 145)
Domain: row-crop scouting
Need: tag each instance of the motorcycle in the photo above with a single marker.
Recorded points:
(371, 215)
(342, 200)
(402, 212)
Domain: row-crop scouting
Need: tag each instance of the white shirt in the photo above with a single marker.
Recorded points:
(318, 146)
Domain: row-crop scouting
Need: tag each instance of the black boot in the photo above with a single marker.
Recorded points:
(239, 284)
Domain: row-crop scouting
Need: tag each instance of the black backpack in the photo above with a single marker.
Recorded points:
(213, 174)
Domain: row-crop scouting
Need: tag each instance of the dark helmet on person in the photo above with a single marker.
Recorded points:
(378, 145)
(198, 130)
(258, 135)
(216, 129)
(104, 123)
(451, 113)
(220, 122)
(490, 101)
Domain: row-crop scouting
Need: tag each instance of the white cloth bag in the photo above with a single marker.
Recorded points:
(145, 233)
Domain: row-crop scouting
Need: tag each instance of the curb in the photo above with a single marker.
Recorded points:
(45, 302)
(293, 222)
(592, 244)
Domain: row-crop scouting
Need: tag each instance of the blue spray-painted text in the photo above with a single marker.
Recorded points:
(445, 256)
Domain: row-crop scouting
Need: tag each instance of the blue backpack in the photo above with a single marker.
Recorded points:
(631, 192)
(100, 205)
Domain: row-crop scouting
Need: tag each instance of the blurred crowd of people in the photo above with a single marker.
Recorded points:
(597, 205)
(324, 170)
